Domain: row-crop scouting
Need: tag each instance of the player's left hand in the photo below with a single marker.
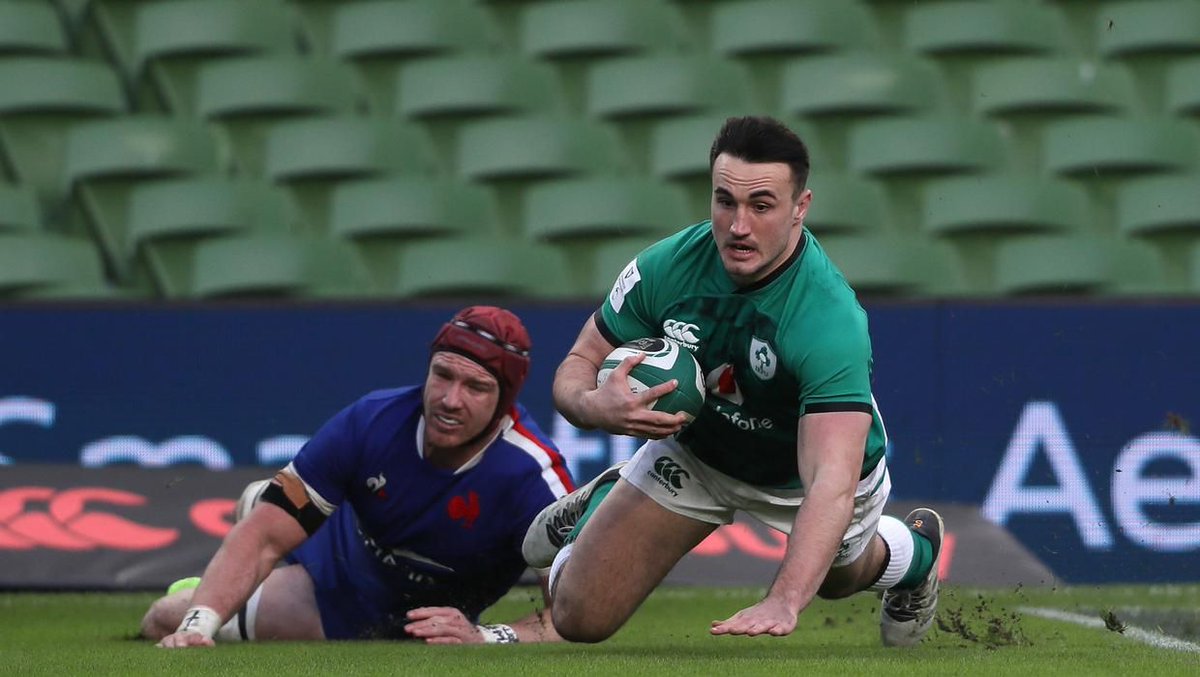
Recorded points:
(442, 625)
(768, 617)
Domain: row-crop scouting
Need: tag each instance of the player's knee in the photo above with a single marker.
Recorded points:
(574, 624)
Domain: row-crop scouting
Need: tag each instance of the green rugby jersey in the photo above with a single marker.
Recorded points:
(793, 343)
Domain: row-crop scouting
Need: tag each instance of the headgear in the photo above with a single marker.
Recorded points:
(496, 340)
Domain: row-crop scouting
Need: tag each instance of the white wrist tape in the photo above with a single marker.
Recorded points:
(498, 634)
(201, 620)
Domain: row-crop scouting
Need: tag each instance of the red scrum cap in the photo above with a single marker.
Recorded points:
(495, 339)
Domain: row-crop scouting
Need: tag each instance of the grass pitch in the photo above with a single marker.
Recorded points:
(978, 632)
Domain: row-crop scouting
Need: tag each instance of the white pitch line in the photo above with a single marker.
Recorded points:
(1155, 639)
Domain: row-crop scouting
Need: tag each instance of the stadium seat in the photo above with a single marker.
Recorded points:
(173, 39)
(589, 29)
(273, 266)
(648, 86)
(537, 147)
(19, 209)
(1183, 87)
(988, 28)
(313, 155)
(1150, 206)
(31, 262)
(481, 268)
(1052, 265)
(408, 206)
(1148, 27)
(886, 266)
(379, 36)
(30, 28)
(1002, 204)
(1051, 86)
(1101, 147)
(476, 85)
(40, 98)
(776, 28)
(844, 203)
(106, 159)
(591, 208)
(608, 258)
(862, 83)
(169, 218)
(925, 145)
(246, 96)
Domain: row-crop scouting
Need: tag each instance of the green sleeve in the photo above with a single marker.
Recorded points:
(834, 368)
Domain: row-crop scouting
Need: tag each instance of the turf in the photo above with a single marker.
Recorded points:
(981, 632)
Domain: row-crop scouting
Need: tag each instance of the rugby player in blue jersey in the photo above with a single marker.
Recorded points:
(401, 518)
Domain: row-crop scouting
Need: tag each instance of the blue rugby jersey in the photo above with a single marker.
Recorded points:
(407, 533)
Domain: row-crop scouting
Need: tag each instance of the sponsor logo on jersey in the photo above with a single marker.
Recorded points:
(464, 509)
(668, 474)
(625, 282)
(375, 485)
(684, 333)
(721, 383)
(762, 359)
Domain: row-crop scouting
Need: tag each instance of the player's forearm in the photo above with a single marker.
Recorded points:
(536, 627)
(243, 561)
(576, 376)
(817, 532)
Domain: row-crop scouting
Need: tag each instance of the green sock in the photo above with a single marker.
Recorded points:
(598, 495)
(922, 562)
(184, 584)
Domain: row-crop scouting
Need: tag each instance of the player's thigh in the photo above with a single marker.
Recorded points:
(624, 552)
(287, 608)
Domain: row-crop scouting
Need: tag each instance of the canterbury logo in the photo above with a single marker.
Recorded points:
(671, 472)
(66, 525)
(683, 332)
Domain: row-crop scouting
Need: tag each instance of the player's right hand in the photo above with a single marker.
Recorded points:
(184, 640)
(618, 410)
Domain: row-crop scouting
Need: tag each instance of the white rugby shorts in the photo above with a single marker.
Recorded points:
(673, 477)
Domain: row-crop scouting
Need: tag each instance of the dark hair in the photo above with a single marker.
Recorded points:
(756, 138)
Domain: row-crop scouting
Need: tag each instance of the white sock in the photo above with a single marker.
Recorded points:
(899, 541)
(232, 631)
(559, 560)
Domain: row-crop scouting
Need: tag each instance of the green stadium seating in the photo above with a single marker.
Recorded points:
(40, 98)
(590, 29)
(591, 208)
(887, 266)
(31, 263)
(313, 155)
(481, 268)
(845, 203)
(246, 96)
(1148, 27)
(1047, 264)
(859, 84)
(169, 218)
(1051, 85)
(1102, 147)
(105, 160)
(607, 260)
(173, 39)
(406, 207)
(19, 209)
(1160, 205)
(1183, 87)
(380, 36)
(989, 28)
(776, 28)
(537, 147)
(274, 266)
(476, 85)
(925, 145)
(1003, 204)
(646, 86)
(30, 27)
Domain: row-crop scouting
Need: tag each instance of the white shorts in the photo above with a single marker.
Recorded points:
(670, 474)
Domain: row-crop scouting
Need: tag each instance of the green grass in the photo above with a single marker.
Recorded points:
(93, 634)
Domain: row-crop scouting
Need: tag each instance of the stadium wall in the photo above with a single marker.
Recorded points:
(1065, 423)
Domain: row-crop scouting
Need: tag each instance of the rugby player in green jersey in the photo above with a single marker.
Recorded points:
(789, 433)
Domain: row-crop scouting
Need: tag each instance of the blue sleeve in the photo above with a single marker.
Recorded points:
(326, 463)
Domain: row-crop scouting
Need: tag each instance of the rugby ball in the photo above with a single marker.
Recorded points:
(665, 360)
